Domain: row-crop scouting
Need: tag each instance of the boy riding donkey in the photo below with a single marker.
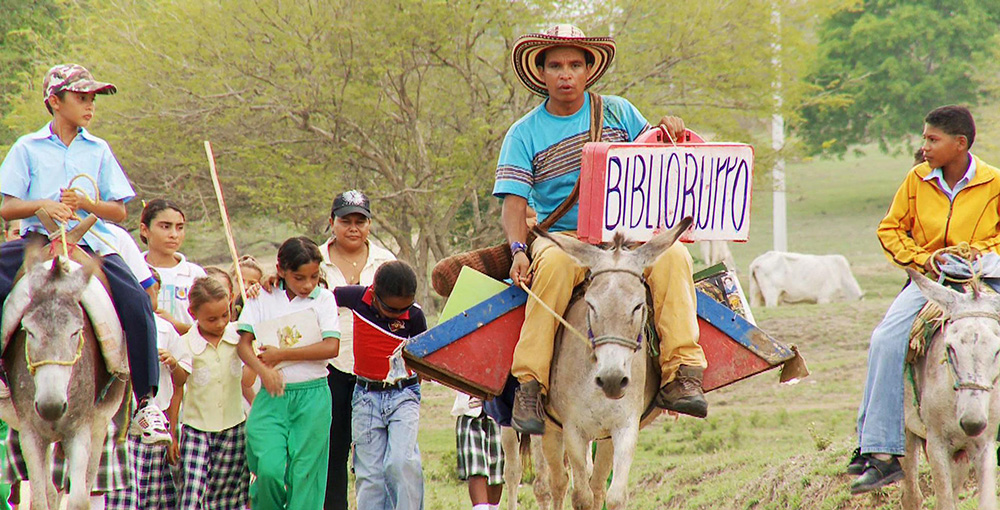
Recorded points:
(949, 198)
(36, 175)
(540, 161)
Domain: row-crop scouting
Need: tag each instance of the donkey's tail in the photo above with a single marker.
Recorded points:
(524, 451)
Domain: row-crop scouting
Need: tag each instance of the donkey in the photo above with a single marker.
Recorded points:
(601, 388)
(59, 383)
(953, 406)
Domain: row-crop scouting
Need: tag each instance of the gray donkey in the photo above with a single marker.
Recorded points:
(954, 412)
(56, 374)
(601, 388)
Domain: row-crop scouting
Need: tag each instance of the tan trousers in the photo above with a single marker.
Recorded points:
(555, 276)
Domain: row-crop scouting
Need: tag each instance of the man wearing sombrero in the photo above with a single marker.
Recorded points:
(540, 162)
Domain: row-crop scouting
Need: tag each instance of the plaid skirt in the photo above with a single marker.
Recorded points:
(113, 473)
(216, 476)
(152, 487)
(479, 450)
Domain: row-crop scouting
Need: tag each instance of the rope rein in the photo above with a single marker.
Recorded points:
(964, 251)
(961, 384)
(592, 340)
(615, 339)
(33, 365)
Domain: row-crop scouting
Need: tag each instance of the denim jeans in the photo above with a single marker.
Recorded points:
(880, 416)
(386, 455)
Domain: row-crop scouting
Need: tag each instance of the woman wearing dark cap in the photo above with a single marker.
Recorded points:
(348, 259)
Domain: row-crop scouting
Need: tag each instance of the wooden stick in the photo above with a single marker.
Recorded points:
(225, 220)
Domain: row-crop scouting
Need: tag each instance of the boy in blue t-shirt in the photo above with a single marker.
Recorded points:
(36, 174)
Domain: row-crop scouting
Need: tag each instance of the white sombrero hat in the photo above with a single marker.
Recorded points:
(528, 47)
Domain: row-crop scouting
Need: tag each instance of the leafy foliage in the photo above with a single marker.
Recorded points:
(884, 64)
(29, 31)
(407, 101)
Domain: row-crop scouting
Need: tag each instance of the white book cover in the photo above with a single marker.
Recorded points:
(297, 329)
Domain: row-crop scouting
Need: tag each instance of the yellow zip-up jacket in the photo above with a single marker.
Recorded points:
(922, 220)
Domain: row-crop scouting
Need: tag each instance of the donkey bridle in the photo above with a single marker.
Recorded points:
(615, 339)
(959, 383)
(33, 365)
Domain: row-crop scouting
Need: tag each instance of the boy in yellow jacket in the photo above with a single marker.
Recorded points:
(950, 198)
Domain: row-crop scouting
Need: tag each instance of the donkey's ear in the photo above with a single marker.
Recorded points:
(943, 296)
(586, 254)
(649, 252)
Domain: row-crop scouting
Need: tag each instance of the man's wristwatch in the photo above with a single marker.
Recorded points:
(518, 247)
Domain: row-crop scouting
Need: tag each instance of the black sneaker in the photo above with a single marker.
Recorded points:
(858, 463)
(528, 415)
(877, 474)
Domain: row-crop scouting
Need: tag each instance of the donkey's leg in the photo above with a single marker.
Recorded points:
(542, 487)
(939, 456)
(554, 452)
(34, 450)
(986, 473)
(512, 464)
(602, 468)
(578, 450)
(79, 450)
(624, 443)
(912, 499)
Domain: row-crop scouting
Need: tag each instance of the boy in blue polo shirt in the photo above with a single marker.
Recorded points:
(36, 174)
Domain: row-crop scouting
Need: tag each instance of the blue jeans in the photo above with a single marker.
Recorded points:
(880, 416)
(386, 455)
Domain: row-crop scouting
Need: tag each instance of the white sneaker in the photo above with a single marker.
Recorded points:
(152, 424)
(4, 390)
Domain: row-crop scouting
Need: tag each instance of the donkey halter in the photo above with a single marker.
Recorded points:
(961, 384)
(33, 365)
(614, 339)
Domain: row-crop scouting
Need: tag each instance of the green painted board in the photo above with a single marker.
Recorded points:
(471, 288)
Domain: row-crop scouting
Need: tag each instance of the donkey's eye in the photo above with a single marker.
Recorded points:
(637, 308)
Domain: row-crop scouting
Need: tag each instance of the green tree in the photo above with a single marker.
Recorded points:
(884, 64)
(30, 32)
(408, 101)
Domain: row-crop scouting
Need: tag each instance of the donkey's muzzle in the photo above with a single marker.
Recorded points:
(972, 427)
(613, 387)
(51, 411)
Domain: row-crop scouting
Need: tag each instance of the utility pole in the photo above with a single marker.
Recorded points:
(780, 223)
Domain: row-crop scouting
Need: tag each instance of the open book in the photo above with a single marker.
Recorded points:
(380, 342)
(293, 330)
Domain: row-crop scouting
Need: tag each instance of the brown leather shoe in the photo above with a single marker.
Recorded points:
(528, 415)
(684, 394)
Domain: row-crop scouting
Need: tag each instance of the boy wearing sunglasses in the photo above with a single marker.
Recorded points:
(386, 400)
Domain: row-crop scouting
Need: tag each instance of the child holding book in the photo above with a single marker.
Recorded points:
(386, 402)
(288, 429)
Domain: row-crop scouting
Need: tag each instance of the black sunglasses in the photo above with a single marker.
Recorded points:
(389, 308)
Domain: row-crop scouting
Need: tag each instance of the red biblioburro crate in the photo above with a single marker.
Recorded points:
(472, 352)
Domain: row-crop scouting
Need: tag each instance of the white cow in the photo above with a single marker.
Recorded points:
(782, 277)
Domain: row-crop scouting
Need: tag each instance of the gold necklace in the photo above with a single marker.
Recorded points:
(352, 278)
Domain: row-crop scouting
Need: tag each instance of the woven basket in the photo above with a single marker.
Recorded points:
(494, 262)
